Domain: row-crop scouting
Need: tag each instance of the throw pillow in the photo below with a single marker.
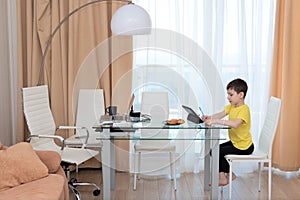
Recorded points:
(20, 164)
(52, 164)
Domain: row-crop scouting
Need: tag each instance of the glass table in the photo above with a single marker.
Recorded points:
(109, 132)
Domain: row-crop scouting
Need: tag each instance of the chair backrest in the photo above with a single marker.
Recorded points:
(155, 104)
(269, 128)
(38, 115)
(90, 107)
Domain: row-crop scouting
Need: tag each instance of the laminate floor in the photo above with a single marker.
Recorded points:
(190, 187)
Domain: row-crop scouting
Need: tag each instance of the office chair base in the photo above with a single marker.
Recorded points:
(72, 186)
(96, 192)
(74, 190)
(73, 183)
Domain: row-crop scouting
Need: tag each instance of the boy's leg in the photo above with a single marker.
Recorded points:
(223, 180)
(225, 149)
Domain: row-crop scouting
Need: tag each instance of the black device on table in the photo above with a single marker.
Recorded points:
(192, 115)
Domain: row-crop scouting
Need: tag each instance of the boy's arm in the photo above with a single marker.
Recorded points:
(219, 115)
(233, 124)
(217, 119)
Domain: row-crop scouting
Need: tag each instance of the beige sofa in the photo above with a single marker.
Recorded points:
(29, 174)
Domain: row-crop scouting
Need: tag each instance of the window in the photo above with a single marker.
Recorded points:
(232, 37)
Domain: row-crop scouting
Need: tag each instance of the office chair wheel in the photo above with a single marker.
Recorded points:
(96, 192)
(73, 180)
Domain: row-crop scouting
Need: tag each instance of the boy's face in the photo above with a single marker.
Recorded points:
(234, 98)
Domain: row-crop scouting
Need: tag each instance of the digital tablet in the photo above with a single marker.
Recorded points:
(192, 115)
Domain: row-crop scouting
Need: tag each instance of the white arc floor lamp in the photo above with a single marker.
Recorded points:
(129, 19)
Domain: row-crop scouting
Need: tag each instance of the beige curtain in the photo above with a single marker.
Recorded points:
(285, 84)
(70, 47)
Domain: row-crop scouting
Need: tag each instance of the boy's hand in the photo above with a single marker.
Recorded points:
(209, 121)
(205, 118)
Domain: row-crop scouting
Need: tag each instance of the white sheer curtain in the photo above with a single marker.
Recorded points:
(238, 38)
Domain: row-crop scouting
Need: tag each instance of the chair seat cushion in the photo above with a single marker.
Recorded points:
(247, 157)
(165, 148)
(82, 155)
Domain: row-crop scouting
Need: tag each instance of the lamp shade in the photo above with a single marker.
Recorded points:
(131, 19)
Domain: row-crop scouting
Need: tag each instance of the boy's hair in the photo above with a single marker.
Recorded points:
(238, 85)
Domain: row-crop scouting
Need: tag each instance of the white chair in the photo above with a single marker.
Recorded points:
(263, 152)
(155, 104)
(42, 129)
(90, 108)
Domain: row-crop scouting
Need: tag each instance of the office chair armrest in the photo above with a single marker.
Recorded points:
(78, 127)
(70, 127)
(61, 139)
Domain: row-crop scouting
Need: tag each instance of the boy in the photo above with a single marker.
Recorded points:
(239, 120)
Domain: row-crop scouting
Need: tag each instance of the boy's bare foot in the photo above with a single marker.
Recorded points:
(222, 179)
(233, 176)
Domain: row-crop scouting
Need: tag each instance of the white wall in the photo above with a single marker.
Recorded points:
(8, 71)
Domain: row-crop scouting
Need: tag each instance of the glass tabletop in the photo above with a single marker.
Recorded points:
(157, 131)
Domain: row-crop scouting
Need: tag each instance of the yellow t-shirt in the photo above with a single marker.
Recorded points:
(240, 137)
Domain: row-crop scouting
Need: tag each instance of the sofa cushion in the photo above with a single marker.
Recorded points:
(20, 164)
(48, 188)
(52, 164)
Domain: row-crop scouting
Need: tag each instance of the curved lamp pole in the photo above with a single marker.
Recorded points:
(129, 19)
